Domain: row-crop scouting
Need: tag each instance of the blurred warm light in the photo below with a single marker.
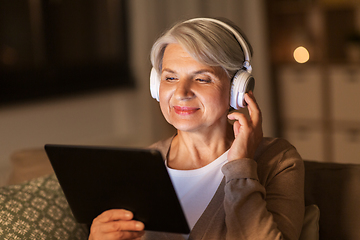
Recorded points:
(301, 55)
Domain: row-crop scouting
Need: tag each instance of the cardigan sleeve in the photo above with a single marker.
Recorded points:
(269, 207)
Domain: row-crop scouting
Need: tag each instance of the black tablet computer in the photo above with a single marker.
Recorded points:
(95, 179)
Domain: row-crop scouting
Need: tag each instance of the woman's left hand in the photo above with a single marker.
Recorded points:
(248, 132)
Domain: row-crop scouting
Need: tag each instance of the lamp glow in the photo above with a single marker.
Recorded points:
(301, 55)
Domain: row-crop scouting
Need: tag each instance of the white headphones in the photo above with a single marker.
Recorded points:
(242, 82)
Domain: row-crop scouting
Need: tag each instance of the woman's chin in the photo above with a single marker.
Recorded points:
(186, 126)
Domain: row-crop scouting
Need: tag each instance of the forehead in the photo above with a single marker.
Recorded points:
(175, 52)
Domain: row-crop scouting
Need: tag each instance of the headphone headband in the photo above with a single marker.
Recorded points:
(238, 37)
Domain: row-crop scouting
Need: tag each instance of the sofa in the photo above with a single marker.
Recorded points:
(335, 189)
(33, 206)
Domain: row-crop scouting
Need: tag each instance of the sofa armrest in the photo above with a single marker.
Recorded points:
(28, 164)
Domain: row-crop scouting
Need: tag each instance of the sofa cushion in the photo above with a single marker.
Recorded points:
(310, 229)
(37, 210)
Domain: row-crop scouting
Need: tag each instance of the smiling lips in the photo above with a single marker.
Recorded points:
(185, 110)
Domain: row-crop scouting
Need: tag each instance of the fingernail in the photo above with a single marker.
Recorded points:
(139, 225)
(128, 214)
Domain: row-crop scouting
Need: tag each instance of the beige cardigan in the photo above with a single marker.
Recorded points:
(257, 199)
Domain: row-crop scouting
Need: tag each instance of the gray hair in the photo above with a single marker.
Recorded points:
(206, 41)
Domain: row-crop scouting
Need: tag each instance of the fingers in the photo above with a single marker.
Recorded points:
(116, 224)
(253, 107)
(247, 131)
(115, 214)
(240, 122)
(117, 236)
(121, 225)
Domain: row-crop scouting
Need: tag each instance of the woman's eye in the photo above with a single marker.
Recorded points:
(203, 80)
(170, 78)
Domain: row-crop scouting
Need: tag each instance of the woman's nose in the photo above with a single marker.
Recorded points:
(183, 90)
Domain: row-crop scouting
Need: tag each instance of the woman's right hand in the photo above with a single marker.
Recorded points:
(248, 132)
(116, 224)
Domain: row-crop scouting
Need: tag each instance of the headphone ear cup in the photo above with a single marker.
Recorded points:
(242, 83)
(154, 84)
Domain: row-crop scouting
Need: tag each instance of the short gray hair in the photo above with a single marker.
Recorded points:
(206, 41)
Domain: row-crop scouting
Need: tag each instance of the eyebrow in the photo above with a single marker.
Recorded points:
(196, 72)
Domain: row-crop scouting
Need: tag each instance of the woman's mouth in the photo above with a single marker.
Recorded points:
(185, 110)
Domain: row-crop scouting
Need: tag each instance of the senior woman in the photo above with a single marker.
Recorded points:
(231, 182)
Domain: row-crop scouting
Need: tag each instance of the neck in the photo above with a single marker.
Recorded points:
(192, 150)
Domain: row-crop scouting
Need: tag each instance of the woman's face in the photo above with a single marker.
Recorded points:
(193, 96)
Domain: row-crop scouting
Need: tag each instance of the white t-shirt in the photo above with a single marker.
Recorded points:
(195, 188)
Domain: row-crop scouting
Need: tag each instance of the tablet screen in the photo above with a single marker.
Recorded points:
(96, 179)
